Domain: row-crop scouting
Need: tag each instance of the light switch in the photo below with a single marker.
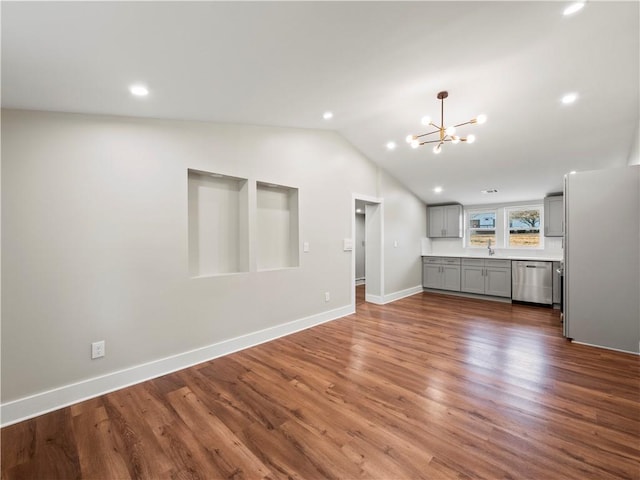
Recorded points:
(305, 247)
(348, 244)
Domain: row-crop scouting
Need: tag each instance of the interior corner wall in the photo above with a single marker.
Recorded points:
(95, 240)
(405, 223)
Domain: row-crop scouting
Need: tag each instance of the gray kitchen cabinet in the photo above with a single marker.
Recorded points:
(554, 216)
(441, 273)
(486, 277)
(451, 277)
(444, 221)
(472, 275)
(431, 276)
(556, 282)
(497, 281)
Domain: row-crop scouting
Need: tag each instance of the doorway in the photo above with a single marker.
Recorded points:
(367, 267)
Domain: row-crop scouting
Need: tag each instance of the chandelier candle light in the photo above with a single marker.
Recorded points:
(446, 134)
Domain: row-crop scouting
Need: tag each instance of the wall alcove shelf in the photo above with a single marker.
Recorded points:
(277, 226)
(218, 224)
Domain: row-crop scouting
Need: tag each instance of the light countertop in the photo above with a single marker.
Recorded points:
(545, 258)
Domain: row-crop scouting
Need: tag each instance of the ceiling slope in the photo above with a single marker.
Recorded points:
(376, 65)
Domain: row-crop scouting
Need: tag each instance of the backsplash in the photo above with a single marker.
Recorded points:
(455, 246)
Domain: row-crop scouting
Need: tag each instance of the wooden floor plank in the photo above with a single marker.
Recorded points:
(232, 458)
(430, 386)
(99, 448)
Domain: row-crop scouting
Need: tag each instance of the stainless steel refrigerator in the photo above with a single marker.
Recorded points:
(602, 258)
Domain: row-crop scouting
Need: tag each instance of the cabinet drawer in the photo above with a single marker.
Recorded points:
(450, 261)
(498, 263)
(432, 260)
(441, 260)
(476, 262)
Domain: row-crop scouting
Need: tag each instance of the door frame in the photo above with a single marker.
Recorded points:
(374, 264)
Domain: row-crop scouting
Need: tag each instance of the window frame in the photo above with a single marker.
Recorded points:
(468, 230)
(507, 227)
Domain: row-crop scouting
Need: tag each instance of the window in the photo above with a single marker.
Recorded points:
(523, 227)
(481, 227)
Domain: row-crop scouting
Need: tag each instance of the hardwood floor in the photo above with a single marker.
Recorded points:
(360, 295)
(427, 387)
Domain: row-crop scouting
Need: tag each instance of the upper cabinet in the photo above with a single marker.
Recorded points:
(444, 221)
(554, 216)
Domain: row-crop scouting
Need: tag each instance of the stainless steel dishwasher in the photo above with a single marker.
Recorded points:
(532, 281)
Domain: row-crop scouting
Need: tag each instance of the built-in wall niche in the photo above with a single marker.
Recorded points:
(218, 224)
(276, 226)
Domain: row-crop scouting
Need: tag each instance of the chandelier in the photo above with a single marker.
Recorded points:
(445, 134)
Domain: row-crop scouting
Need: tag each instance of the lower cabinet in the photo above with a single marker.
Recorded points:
(442, 273)
(556, 283)
(485, 276)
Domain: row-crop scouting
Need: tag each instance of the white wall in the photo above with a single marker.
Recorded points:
(405, 223)
(95, 242)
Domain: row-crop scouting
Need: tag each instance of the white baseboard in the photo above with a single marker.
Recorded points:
(28, 407)
(392, 297)
(377, 299)
(606, 348)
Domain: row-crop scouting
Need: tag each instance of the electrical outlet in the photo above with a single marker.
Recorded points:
(327, 296)
(97, 349)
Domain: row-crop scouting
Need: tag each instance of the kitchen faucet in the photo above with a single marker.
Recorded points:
(491, 251)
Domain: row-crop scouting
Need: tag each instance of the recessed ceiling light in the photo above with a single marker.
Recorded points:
(139, 90)
(327, 115)
(489, 190)
(569, 98)
(572, 172)
(391, 145)
(438, 189)
(573, 8)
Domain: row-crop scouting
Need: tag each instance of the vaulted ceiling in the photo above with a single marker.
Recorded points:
(377, 66)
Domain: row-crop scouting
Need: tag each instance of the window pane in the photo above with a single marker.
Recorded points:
(529, 239)
(524, 227)
(481, 228)
(482, 220)
(524, 219)
(480, 238)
